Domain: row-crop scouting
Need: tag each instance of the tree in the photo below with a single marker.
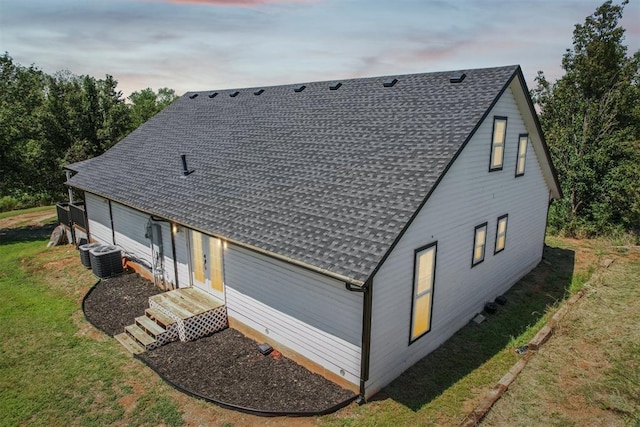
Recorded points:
(21, 133)
(49, 121)
(146, 104)
(591, 121)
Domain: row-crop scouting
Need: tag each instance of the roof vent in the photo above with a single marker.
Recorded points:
(457, 77)
(193, 95)
(234, 94)
(185, 169)
(259, 92)
(213, 94)
(335, 86)
(390, 82)
(299, 88)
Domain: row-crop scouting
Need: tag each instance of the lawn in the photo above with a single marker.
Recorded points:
(56, 369)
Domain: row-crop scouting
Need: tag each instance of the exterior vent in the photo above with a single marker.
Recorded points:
(234, 94)
(185, 169)
(457, 77)
(390, 82)
(299, 88)
(106, 261)
(258, 92)
(335, 86)
(213, 94)
(193, 96)
(85, 258)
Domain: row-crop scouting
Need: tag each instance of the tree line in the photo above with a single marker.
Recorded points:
(48, 121)
(591, 120)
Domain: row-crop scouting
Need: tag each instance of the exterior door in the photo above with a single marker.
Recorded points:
(206, 263)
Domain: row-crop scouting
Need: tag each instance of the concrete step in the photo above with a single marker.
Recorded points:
(129, 343)
(150, 326)
(159, 317)
(137, 333)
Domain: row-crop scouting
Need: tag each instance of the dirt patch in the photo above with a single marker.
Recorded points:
(32, 219)
(115, 303)
(225, 366)
(228, 367)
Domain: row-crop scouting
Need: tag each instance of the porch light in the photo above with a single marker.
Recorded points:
(175, 228)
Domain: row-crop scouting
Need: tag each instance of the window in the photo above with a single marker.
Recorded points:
(522, 154)
(479, 243)
(497, 143)
(501, 233)
(423, 280)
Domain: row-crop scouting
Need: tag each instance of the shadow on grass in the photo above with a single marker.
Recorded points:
(26, 233)
(474, 344)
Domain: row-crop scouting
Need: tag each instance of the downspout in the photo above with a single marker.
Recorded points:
(546, 223)
(113, 231)
(365, 352)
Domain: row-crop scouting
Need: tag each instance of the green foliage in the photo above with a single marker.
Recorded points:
(146, 104)
(591, 121)
(49, 121)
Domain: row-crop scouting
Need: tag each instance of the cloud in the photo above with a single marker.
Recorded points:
(237, 3)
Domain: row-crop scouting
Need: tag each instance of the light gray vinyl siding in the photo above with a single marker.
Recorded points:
(99, 218)
(309, 313)
(467, 196)
(130, 229)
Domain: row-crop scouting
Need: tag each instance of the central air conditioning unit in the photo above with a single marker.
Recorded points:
(106, 261)
(85, 258)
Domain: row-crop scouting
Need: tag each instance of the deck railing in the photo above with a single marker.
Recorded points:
(64, 215)
(78, 215)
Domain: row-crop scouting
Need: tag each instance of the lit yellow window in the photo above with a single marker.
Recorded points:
(522, 154)
(479, 244)
(425, 268)
(497, 143)
(501, 233)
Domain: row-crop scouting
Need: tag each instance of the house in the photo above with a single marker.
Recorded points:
(354, 225)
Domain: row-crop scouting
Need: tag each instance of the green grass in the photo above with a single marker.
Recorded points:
(444, 386)
(50, 372)
(55, 369)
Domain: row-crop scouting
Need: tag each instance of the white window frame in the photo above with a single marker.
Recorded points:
(521, 158)
(420, 291)
(479, 244)
(501, 244)
(498, 143)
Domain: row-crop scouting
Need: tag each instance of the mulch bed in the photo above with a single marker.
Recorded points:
(114, 303)
(225, 367)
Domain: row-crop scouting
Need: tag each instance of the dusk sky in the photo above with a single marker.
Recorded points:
(217, 44)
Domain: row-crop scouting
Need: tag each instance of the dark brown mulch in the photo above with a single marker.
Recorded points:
(227, 367)
(224, 367)
(114, 303)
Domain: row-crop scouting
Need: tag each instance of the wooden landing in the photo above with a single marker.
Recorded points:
(186, 302)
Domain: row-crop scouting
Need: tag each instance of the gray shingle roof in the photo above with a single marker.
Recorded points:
(326, 178)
